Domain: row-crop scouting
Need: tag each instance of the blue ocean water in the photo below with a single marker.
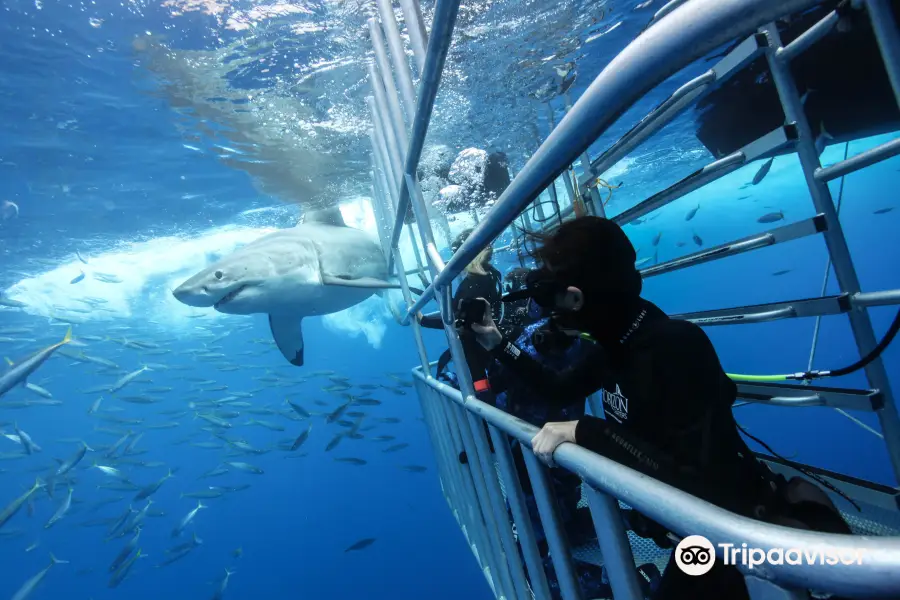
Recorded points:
(155, 137)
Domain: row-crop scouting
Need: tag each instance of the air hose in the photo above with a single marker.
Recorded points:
(810, 375)
(738, 377)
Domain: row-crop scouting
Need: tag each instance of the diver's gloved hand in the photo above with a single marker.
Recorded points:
(486, 332)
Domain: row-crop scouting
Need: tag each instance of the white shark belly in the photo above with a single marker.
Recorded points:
(327, 299)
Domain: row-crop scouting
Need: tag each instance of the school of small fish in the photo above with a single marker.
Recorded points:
(128, 406)
(767, 218)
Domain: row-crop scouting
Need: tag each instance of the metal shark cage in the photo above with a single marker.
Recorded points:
(485, 495)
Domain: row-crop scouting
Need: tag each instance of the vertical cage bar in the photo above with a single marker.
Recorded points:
(445, 13)
(493, 553)
(511, 569)
(391, 163)
(382, 118)
(560, 553)
(614, 545)
(415, 26)
(383, 70)
(519, 508)
(470, 510)
(427, 398)
(401, 66)
(836, 243)
(448, 460)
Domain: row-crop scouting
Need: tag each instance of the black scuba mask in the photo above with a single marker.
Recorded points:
(540, 287)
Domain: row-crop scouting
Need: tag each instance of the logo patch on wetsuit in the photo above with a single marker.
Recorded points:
(512, 350)
(615, 404)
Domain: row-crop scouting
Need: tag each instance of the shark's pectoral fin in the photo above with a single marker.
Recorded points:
(288, 334)
(360, 282)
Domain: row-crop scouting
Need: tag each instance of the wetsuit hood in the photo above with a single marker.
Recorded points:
(595, 255)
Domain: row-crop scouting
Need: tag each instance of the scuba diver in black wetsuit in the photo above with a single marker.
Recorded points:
(517, 398)
(666, 399)
(482, 280)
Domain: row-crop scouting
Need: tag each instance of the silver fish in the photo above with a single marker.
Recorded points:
(771, 217)
(38, 390)
(20, 372)
(126, 551)
(72, 461)
(247, 468)
(7, 513)
(29, 586)
(126, 379)
(61, 511)
(763, 171)
(187, 519)
(220, 591)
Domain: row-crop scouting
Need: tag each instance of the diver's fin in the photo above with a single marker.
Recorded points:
(361, 282)
(288, 334)
(326, 216)
(416, 291)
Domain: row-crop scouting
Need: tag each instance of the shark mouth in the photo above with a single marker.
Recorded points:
(229, 297)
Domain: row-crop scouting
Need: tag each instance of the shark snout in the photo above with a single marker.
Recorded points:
(194, 295)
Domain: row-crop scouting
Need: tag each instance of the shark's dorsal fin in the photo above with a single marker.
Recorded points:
(325, 216)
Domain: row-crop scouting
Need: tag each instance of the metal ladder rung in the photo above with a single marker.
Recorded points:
(770, 238)
(808, 38)
(790, 394)
(883, 298)
(862, 160)
(760, 313)
(738, 58)
(766, 146)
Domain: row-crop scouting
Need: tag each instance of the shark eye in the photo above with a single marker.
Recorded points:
(219, 274)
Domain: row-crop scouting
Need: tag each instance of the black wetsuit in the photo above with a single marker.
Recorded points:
(667, 404)
(517, 398)
(489, 287)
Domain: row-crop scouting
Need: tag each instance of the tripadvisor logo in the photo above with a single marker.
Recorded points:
(696, 555)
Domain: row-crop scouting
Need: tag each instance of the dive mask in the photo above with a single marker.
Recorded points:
(540, 287)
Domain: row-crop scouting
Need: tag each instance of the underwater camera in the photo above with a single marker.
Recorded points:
(470, 310)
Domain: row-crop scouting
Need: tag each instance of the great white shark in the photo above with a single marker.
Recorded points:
(318, 267)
